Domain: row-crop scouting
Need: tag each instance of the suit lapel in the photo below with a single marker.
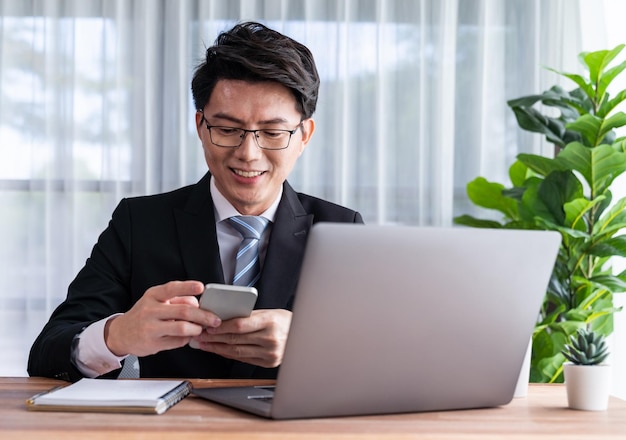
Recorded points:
(281, 269)
(198, 237)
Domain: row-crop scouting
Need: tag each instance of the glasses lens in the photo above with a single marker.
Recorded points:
(273, 139)
(226, 136)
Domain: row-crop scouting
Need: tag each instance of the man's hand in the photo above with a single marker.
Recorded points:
(258, 340)
(166, 317)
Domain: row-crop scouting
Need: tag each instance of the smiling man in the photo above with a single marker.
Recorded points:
(252, 174)
(255, 95)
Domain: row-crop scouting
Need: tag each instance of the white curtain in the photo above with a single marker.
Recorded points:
(95, 106)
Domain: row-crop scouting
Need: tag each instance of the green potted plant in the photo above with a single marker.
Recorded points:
(587, 379)
(569, 193)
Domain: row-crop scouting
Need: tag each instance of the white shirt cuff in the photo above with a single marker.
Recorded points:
(93, 358)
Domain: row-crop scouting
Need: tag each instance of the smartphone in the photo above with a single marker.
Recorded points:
(227, 302)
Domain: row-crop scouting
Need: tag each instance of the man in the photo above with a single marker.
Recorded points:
(138, 293)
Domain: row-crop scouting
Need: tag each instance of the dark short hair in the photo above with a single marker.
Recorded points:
(252, 52)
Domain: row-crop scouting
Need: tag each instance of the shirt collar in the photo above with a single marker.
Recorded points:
(224, 209)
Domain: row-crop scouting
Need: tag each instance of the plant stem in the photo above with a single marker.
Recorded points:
(556, 374)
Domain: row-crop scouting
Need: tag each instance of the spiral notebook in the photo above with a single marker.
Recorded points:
(110, 395)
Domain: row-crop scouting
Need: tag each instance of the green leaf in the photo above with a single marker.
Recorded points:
(613, 220)
(532, 120)
(564, 230)
(610, 282)
(518, 173)
(602, 323)
(570, 104)
(620, 144)
(546, 359)
(582, 83)
(558, 294)
(603, 312)
(566, 102)
(577, 315)
(599, 165)
(551, 317)
(515, 193)
(622, 275)
(551, 368)
(576, 210)
(597, 62)
(616, 121)
(586, 290)
(608, 77)
(608, 105)
(615, 246)
(532, 206)
(468, 220)
(489, 195)
(581, 102)
(544, 343)
(540, 164)
(589, 126)
(558, 188)
(595, 129)
(566, 328)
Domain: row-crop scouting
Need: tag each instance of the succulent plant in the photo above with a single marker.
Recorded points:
(586, 347)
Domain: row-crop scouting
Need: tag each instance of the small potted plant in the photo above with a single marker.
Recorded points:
(587, 378)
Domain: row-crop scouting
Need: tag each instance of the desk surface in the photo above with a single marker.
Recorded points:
(540, 415)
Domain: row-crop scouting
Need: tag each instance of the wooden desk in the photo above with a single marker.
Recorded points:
(541, 415)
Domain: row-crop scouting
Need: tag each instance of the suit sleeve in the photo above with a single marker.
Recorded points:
(99, 290)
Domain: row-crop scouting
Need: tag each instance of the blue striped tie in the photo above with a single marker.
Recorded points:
(248, 265)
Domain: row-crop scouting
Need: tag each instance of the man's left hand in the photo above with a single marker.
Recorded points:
(258, 340)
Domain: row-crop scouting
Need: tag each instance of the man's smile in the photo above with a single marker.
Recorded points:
(248, 174)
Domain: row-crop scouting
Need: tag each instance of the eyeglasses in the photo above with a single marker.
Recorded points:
(266, 138)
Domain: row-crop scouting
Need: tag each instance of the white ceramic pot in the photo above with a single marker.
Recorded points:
(588, 386)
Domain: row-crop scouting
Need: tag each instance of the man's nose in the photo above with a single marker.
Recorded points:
(249, 147)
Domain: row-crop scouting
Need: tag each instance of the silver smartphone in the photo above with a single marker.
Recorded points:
(227, 302)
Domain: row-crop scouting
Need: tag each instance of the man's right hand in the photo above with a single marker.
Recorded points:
(166, 317)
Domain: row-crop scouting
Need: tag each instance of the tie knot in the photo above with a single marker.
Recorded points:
(249, 226)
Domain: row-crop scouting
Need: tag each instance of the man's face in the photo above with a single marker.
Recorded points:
(248, 176)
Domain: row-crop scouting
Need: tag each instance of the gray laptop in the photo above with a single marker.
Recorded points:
(392, 319)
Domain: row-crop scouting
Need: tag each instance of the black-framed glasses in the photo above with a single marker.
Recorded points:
(266, 138)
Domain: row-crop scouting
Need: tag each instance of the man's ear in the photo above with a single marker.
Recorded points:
(308, 127)
(199, 122)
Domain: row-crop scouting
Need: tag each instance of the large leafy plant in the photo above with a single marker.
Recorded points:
(571, 194)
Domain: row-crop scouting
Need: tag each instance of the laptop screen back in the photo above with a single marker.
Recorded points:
(401, 319)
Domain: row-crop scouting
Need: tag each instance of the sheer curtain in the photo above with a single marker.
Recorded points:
(95, 106)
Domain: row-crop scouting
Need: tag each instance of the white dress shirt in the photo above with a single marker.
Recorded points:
(91, 355)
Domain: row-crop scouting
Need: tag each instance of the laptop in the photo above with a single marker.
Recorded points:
(394, 319)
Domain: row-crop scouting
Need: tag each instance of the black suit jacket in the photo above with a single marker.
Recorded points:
(172, 236)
